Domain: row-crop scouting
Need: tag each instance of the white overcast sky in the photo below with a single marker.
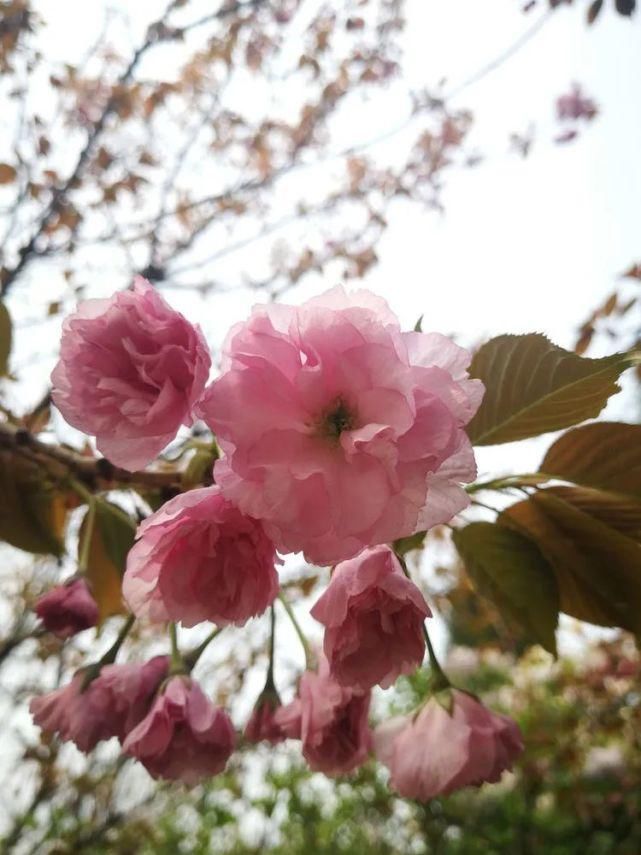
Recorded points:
(523, 244)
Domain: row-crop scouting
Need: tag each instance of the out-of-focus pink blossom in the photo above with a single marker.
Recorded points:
(110, 705)
(331, 722)
(575, 105)
(199, 558)
(437, 751)
(67, 609)
(183, 737)
(373, 617)
(339, 430)
(262, 724)
(130, 370)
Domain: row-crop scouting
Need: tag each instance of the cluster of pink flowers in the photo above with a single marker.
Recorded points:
(339, 434)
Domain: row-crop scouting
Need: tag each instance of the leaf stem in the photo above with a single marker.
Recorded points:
(299, 632)
(110, 655)
(194, 655)
(177, 664)
(532, 479)
(272, 638)
(439, 678)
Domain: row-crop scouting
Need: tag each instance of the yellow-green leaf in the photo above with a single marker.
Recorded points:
(598, 569)
(509, 570)
(604, 455)
(533, 387)
(32, 513)
(112, 537)
(6, 335)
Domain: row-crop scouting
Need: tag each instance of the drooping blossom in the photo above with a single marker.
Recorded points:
(339, 430)
(110, 705)
(67, 609)
(199, 558)
(437, 751)
(373, 617)
(184, 736)
(262, 723)
(130, 370)
(331, 722)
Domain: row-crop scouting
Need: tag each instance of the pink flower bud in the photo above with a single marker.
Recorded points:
(262, 724)
(67, 609)
(199, 558)
(339, 430)
(184, 736)
(436, 751)
(373, 616)
(110, 705)
(331, 722)
(130, 371)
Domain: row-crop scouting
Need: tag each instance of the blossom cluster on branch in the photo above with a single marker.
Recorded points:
(340, 434)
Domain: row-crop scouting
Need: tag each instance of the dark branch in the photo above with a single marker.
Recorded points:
(156, 32)
(94, 473)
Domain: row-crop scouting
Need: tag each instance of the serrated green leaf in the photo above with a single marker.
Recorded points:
(604, 455)
(509, 570)
(598, 569)
(533, 387)
(618, 512)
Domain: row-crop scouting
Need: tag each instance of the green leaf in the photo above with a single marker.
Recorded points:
(32, 514)
(510, 571)
(617, 512)
(407, 544)
(604, 455)
(111, 539)
(6, 335)
(532, 387)
(199, 468)
(598, 569)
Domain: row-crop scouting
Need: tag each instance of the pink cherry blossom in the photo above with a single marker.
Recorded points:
(331, 722)
(262, 724)
(339, 430)
(110, 705)
(373, 616)
(130, 370)
(67, 609)
(183, 737)
(575, 105)
(435, 752)
(199, 558)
